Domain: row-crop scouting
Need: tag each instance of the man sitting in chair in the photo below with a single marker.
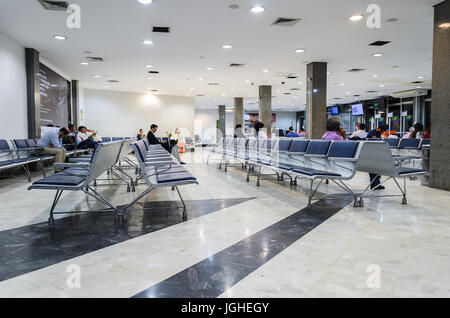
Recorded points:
(154, 141)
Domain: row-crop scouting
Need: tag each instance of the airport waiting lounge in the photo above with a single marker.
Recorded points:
(251, 149)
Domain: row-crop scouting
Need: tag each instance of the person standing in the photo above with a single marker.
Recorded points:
(52, 145)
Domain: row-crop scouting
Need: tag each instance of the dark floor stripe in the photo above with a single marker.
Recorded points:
(214, 275)
(32, 247)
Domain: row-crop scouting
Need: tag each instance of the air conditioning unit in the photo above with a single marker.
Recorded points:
(411, 93)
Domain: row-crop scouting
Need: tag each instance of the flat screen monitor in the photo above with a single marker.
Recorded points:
(334, 110)
(357, 109)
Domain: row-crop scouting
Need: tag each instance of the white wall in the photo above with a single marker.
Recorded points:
(122, 114)
(13, 90)
(285, 120)
(206, 124)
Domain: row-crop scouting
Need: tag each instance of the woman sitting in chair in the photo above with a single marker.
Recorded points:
(181, 142)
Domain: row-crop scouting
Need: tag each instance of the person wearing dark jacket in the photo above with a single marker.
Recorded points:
(154, 141)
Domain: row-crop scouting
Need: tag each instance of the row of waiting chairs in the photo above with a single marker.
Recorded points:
(82, 176)
(19, 153)
(159, 168)
(313, 160)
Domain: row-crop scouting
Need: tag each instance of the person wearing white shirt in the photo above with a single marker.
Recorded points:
(361, 133)
(179, 137)
(260, 133)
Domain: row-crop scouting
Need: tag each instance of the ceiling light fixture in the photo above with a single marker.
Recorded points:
(381, 85)
(60, 37)
(420, 77)
(300, 50)
(145, 1)
(375, 75)
(444, 25)
(356, 17)
(96, 76)
(149, 66)
(149, 78)
(209, 68)
(266, 71)
(377, 54)
(227, 46)
(84, 63)
(147, 42)
(257, 9)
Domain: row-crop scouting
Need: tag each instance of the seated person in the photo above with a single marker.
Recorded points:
(292, 133)
(335, 131)
(141, 135)
(52, 143)
(84, 141)
(360, 134)
(70, 141)
(154, 141)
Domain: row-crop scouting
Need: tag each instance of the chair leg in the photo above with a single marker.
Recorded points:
(51, 220)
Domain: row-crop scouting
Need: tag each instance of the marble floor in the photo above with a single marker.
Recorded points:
(239, 240)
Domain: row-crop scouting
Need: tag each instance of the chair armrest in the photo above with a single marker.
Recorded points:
(70, 165)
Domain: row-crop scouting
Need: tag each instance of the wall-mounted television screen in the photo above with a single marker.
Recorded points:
(357, 109)
(334, 110)
(55, 98)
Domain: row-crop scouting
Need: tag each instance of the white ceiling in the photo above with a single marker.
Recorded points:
(114, 30)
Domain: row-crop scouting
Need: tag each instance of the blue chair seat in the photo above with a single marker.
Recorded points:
(313, 172)
(79, 172)
(22, 160)
(175, 177)
(6, 163)
(162, 171)
(61, 179)
(404, 170)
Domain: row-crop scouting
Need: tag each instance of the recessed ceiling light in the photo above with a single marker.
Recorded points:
(227, 46)
(266, 71)
(149, 78)
(84, 63)
(200, 79)
(356, 17)
(147, 42)
(444, 25)
(419, 87)
(247, 81)
(341, 84)
(257, 9)
(377, 54)
(328, 73)
(145, 1)
(300, 50)
(300, 83)
(96, 76)
(148, 66)
(60, 37)
(348, 93)
(381, 85)
(375, 75)
(420, 77)
(209, 68)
